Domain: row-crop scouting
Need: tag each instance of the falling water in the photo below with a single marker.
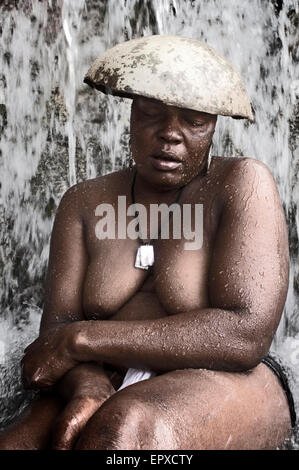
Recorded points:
(56, 131)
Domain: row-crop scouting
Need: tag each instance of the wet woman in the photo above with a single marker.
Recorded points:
(186, 332)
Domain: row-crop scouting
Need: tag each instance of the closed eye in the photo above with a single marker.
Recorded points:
(197, 124)
(192, 121)
(150, 113)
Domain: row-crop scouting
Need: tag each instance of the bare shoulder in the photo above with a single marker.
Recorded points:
(96, 190)
(245, 168)
(249, 202)
(251, 208)
(243, 177)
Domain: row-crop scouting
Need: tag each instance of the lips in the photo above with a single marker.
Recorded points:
(165, 161)
(168, 156)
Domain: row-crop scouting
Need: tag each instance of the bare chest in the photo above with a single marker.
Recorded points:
(178, 281)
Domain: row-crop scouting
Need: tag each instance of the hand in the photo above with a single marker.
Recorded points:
(72, 421)
(49, 357)
(86, 387)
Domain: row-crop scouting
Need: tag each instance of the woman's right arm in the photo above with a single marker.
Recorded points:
(86, 386)
(68, 261)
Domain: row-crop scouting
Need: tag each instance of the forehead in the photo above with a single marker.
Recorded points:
(142, 101)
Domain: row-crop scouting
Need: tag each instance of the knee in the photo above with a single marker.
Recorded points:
(124, 423)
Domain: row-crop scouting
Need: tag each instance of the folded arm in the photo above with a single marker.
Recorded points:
(67, 266)
(247, 282)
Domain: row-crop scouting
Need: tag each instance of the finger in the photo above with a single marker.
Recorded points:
(25, 382)
(71, 422)
(38, 378)
(31, 384)
(25, 376)
(35, 380)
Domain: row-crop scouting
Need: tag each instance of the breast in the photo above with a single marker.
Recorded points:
(118, 290)
(115, 289)
(181, 279)
(111, 279)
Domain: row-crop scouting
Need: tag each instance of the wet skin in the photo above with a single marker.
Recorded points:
(203, 320)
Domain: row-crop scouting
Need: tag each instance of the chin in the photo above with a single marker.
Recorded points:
(163, 179)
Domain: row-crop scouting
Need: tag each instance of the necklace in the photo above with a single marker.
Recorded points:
(145, 253)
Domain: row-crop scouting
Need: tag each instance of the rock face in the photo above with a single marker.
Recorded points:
(55, 130)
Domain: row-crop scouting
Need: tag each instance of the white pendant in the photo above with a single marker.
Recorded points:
(144, 257)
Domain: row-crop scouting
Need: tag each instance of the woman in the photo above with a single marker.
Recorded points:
(197, 324)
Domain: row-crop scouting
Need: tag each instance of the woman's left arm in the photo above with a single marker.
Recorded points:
(248, 282)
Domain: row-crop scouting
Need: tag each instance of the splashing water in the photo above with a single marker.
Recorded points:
(55, 131)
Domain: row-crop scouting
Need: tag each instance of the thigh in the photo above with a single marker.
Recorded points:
(32, 429)
(194, 409)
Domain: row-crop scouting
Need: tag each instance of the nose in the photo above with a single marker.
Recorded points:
(169, 131)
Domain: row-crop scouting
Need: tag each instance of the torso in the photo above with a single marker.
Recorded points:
(179, 280)
(115, 290)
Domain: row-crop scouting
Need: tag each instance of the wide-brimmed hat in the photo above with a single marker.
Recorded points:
(178, 71)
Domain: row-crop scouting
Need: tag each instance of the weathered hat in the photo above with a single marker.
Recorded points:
(178, 71)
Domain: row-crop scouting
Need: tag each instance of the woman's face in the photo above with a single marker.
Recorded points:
(169, 145)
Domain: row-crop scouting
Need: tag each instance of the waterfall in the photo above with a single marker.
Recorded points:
(56, 131)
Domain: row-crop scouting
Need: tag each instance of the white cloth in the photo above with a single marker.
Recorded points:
(136, 375)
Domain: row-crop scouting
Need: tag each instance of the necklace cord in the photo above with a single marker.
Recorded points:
(137, 213)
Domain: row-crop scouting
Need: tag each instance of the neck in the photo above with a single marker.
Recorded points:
(147, 193)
